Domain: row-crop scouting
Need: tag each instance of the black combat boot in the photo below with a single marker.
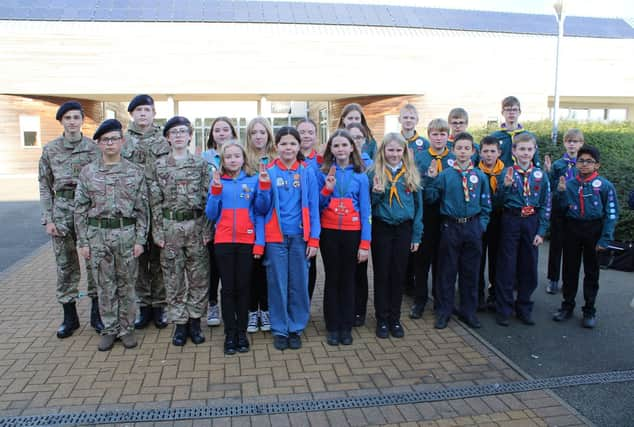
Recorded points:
(180, 335)
(95, 318)
(71, 321)
(145, 315)
(158, 315)
(194, 331)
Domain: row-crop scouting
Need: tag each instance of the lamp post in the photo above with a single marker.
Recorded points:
(559, 10)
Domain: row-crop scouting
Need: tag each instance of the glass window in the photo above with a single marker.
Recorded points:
(617, 114)
(30, 131)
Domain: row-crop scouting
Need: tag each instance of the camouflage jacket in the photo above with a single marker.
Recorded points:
(178, 186)
(59, 168)
(111, 191)
(144, 148)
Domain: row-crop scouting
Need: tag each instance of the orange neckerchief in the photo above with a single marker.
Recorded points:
(492, 173)
(438, 157)
(464, 173)
(411, 138)
(525, 175)
(394, 180)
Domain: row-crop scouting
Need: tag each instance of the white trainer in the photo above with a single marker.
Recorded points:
(252, 326)
(213, 315)
(265, 321)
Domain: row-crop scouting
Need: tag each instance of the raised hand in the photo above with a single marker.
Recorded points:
(330, 179)
(264, 174)
(377, 187)
(215, 180)
(432, 171)
(548, 163)
(508, 178)
(561, 186)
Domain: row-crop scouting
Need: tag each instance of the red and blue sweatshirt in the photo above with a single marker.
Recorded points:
(347, 206)
(295, 203)
(237, 207)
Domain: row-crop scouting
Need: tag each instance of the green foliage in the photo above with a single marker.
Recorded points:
(615, 141)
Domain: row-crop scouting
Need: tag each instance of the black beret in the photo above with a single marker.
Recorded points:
(68, 106)
(140, 100)
(107, 126)
(176, 121)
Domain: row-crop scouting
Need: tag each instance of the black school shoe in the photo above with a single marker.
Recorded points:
(382, 331)
(230, 345)
(280, 342)
(396, 329)
(589, 321)
(345, 337)
(473, 322)
(562, 314)
(294, 341)
(332, 338)
(416, 312)
(242, 342)
(441, 322)
(359, 320)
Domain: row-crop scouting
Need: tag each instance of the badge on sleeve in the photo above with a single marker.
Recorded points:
(473, 179)
(596, 183)
(538, 174)
(419, 142)
(450, 162)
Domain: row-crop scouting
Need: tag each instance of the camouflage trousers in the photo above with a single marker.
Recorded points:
(185, 266)
(112, 259)
(68, 269)
(150, 286)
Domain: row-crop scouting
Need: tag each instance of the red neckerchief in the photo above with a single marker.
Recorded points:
(464, 173)
(582, 206)
(525, 175)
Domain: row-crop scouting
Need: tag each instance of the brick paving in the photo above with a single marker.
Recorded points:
(40, 374)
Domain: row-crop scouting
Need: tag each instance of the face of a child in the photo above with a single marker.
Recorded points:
(287, 149)
(393, 153)
(259, 136)
(587, 165)
(341, 149)
(489, 153)
(307, 135)
(457, 125)
(221, 132)
(72, 121)
(232, 159)
(438, 139)
(511, 113)
(353, 116)
(143, 115)
(408, 120)
(463, 150)
(524, 152)
(178, 136)
(357, 137)
(110, 143)
(572, 145)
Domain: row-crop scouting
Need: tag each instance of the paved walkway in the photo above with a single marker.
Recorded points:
(40, 374)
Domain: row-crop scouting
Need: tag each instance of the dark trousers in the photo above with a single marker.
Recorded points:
(516, 263)
(460, 251)
(581, 240)
(234, 265)
(214, 275)
(259, 291)
(339, 252)
(361, 288)
(490, 245)
(427, 254)
(312, 276)
(556, 246)
(390, 249)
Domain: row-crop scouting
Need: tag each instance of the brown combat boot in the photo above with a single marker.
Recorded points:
(106, 342)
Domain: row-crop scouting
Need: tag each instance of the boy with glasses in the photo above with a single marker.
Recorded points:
(591, 212)
(511, 127)
(458, 122)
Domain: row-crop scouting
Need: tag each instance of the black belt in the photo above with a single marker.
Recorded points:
(182, 215)
(65, 194)
(111, 222)
(462, 220)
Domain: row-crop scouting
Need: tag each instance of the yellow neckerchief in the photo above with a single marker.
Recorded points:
(438, 157)
(492, 173)
(393, 181)
(412, 138)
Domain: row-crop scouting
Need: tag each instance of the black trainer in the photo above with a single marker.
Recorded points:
(242, 342)
(562, 314)
(280, 342)
(332, 338)
(416, 311)
(382, 331)
(345, 337)
(294, 341)
(230, 344)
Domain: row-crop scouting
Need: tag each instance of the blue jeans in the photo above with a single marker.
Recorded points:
(287, 279)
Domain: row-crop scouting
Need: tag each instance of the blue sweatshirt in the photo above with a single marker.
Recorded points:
(447, 187)
(410, 207)
(539, 197)
(347, 206)
(599, 202)
(505, 137)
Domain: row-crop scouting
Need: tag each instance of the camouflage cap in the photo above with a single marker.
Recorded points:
(66, 107)
(107, 126)
(140, 100)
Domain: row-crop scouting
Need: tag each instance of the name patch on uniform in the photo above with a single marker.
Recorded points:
(473, 179)
(596, 183)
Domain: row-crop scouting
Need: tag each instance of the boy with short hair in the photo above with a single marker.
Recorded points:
(511, 111)
(525, 195)
(458, 122)
(111, 216)
(438, 156)
(591, 212)
(492, 167)
(465, 204)
(565, 166)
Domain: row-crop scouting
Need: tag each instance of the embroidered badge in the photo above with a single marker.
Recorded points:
(450, 162)
(538, 174)
(473, 179)
(596, 183)
(279, 182)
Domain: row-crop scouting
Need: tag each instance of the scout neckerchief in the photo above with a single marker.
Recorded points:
(571, 163)
(464, 173)
(492, 173)
(393, 181)
(525, 176)
(438, 157)
(412, 138)
(582, 206)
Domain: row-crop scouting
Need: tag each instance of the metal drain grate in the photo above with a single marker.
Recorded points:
(314, 405)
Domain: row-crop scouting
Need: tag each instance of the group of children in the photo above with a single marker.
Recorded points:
(264, 209)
